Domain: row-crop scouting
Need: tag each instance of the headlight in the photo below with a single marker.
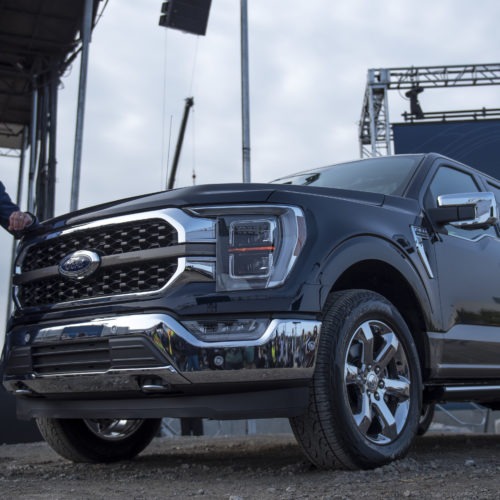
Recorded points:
(257, 245)
(251, 248)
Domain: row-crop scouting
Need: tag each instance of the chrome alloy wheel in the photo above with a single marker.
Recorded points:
(377, 382)
(113, 429)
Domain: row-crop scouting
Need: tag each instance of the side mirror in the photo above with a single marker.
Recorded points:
(466, 210)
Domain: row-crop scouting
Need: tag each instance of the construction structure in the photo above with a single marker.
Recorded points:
(39, 40)
(375, 127)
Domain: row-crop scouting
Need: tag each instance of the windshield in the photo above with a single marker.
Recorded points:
(384, 175)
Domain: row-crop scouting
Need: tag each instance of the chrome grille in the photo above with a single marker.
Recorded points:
(108, 240)
(148, 272)
(117, 280)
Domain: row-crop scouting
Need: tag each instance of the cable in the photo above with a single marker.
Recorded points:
(195, 57)
(191, 85)
(193, 120)
(101, 13)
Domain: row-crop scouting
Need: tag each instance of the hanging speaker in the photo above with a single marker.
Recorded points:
(190, 16)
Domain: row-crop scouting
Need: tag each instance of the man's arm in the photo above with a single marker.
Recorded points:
(11, 217)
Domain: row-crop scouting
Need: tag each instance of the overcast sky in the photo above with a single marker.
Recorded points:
(308, 67)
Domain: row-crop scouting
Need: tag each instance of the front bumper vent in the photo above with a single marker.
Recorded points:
(71, 357)
(88, 356)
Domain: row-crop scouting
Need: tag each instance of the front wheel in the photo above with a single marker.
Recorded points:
(98, 440)
(366, 391)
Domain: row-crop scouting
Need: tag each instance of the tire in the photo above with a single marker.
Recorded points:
(426, 417)
(98, 440)
(366, 392)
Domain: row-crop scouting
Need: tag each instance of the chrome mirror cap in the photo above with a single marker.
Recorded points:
(483, 204)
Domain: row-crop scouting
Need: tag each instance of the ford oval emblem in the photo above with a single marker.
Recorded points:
(79, 264)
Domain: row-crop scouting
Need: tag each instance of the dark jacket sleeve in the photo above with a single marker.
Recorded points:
(6, 207)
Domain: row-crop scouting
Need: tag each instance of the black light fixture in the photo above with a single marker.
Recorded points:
(190, 16)
(415, 108)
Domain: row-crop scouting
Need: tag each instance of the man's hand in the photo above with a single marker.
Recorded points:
(19, 221)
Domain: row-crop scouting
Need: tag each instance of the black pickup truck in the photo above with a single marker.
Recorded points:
(347, 298)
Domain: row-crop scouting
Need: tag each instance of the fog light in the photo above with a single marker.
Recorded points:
(218, 331)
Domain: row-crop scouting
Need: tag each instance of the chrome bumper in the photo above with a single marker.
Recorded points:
(176, 359)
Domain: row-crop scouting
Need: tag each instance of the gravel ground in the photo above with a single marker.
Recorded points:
(258, 467)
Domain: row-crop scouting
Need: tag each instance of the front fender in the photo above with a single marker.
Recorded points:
(372, 248)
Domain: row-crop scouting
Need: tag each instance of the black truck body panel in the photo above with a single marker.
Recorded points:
(174, 343)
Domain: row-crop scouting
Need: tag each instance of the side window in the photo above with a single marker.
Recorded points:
(451, 181)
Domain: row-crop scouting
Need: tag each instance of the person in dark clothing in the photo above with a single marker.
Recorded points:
(12, 218)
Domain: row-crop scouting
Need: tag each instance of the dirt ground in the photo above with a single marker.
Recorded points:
(260, 467)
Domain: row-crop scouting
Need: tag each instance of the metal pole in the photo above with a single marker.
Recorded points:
(384, 79)
(82, 88)
(22, 160)
(373, 129)
(41, 178)
(245, 117)
(33, 142)
(52, 147)
(387, 123)
(245, 94)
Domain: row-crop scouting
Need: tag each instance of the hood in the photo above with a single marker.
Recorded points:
(210, 194)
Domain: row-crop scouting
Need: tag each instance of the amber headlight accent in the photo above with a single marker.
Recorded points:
(257, 245)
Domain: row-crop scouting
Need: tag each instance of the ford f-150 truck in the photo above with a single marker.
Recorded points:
(347, 298)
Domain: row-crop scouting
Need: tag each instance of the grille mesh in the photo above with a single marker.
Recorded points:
(122, 280)
(107, 240)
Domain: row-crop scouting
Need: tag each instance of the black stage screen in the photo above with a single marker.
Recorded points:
(475, 143)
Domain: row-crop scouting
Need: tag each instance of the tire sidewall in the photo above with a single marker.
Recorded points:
(365, 453)
(96, 449)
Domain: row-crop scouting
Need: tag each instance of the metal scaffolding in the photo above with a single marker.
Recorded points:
(39, 39)
(375, 136)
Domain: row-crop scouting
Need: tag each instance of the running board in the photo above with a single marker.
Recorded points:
(477, 393)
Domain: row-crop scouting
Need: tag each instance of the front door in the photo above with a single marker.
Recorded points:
(468, 270)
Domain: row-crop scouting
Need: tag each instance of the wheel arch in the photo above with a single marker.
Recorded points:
(389, 272)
